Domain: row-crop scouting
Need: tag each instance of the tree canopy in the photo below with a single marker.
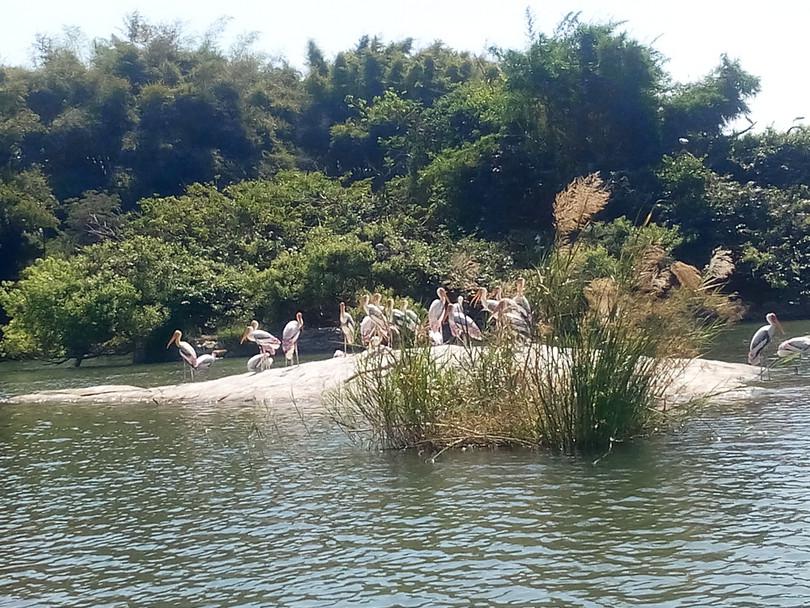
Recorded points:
(162, 180)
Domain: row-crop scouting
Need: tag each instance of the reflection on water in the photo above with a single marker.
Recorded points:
(18, 378)
(247, 506)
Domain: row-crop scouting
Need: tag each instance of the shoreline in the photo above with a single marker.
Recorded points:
(305, 384)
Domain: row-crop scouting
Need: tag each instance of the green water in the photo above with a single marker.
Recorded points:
(144, 505)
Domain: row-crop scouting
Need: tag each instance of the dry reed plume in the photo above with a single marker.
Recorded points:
(577, 204)
(688, 276)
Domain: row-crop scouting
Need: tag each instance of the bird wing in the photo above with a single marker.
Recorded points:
(205, 361)
(375, 311)
(758, 343)
(472, 328)
(760, 338)
(290, 335)
(348, 320)
(265, 338)
(435, 313)
(366, 328)
(188, 353)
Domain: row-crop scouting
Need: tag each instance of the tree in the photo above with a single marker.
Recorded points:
(27, 218)
(59, 309)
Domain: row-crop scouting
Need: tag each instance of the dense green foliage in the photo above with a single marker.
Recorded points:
(207, 186)
(597, 369)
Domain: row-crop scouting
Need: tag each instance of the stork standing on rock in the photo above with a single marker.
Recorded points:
(437, 313)
(762, 337)
(189, 355)
(289, 338)
(266, 341)
(346, 326)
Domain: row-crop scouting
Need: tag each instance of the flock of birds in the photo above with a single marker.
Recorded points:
(268, 345)
(384, 325)
(792, 347)
(381, 327)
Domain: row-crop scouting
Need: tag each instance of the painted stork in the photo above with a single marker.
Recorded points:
(266, 341)
(794, 346)
(289, 338)
(260, 362)
(189, 355)
(762, 337)
(346, 326)
(437, 313)
(462, 326)
(480, 298)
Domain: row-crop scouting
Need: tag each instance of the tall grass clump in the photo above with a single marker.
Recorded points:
(616, 338)
(611, 332)
(395, 398)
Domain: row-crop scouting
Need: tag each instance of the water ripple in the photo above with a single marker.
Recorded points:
(241, 506)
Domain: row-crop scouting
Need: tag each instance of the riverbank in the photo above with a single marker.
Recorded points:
(304, 385)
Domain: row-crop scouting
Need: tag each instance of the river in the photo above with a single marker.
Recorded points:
(245, 506)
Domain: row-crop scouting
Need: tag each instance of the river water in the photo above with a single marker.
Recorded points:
(148, 505)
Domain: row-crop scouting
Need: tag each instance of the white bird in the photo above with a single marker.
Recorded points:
(206, 361)
(346, 326)
(289, 337)
(510, 315)
(762, 337)
(462, 326)
(484, 302)
(521, 300)
(373, 310)
(187, 352)
(189, 355)
(376, 315)
(437, 313)
(792, 346)
(260, 362)
(369, 328)
(266, 341)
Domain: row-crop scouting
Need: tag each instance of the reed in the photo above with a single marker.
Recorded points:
(395, 398)
(603, 352)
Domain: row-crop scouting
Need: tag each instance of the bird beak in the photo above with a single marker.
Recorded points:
(244, 337)
(172, 340)
(779, 326)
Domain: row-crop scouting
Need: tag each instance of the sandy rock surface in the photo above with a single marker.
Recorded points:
(304, 385)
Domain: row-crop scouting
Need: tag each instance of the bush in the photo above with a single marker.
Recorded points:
(603, 354)
(64, 309)
(327, 269)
